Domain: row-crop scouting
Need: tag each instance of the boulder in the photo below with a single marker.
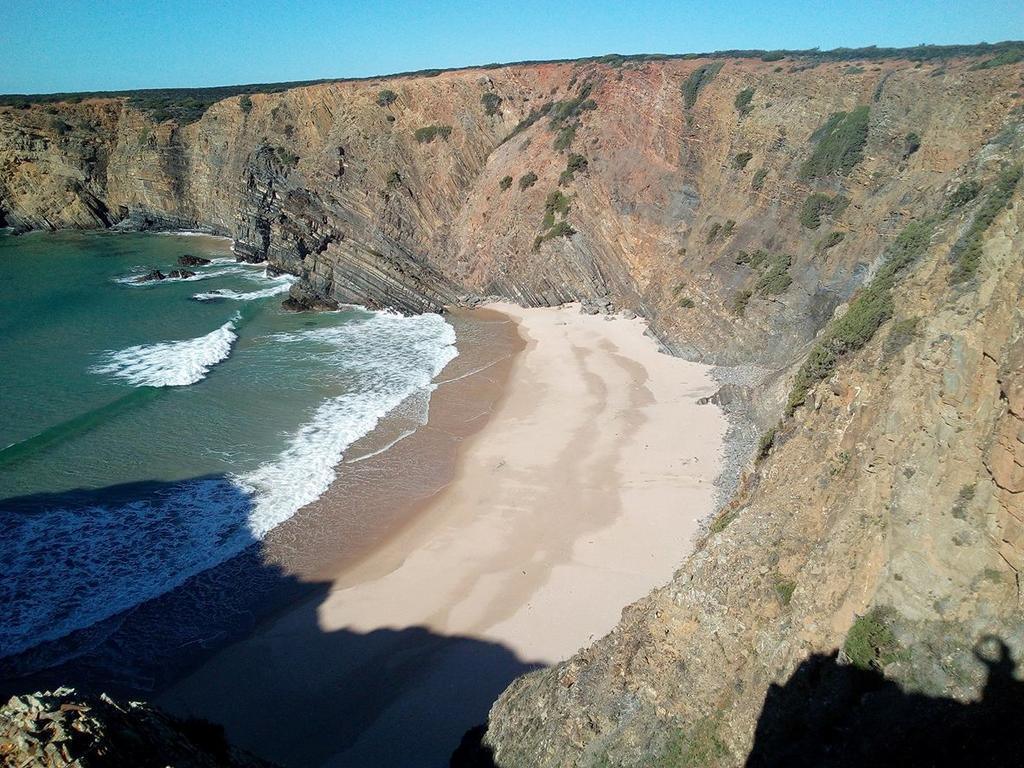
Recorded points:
(156, 274)
(181, 274)
(188, 260)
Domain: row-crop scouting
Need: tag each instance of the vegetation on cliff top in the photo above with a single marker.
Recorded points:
(186, 105)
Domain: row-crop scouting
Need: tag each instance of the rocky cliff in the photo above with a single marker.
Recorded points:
(643, 185)
(61, 729)
(850, 229)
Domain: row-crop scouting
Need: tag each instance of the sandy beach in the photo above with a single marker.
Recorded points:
(579, 468)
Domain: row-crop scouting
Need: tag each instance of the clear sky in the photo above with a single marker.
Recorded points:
(68, 45)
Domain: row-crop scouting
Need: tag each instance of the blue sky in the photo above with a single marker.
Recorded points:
(66, 45)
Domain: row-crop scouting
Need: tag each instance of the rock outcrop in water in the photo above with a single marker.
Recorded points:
(849, 232)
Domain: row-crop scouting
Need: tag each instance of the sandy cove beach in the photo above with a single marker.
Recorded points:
(578, 493)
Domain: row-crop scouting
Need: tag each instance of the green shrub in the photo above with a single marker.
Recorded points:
(784, 589)
(743, 101)
(572, 165)
(741, 160)
(770, 56)
(555, 203)
(564, 137)
(527, 180)
(713, 233)
(776, 280)
(831, 240)
(963, 194)
(757, 183)
(870, 643)
(505, 183)
(817, 205)
(286, 157)
(764, 445)
(839, 144)
(866, 313)
(963, 500)
(740, 301)
(721, 522)
(428, 133)
(491, 102)
(530, 119)
(386, 98)
(245, 103)
(686, 303)
(911, 144)
(966, 253)
(730, 225)
(697, 81)
(1004, 58)
(394, 179)
(562, 112)
(854, 70)
(559, 229)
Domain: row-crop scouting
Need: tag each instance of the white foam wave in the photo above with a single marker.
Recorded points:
(396, 357)
(280, 287)
(170, 363)
(206, 274)
(67, 568)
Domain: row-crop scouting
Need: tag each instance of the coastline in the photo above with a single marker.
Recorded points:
(521, 532)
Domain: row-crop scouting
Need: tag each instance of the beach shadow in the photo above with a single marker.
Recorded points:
(831, 715)
(301, 696)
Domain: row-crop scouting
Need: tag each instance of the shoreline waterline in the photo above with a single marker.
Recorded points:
(580, 491)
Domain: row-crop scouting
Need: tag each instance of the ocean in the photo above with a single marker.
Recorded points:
(152, 433)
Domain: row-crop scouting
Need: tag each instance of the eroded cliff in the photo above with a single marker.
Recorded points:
(643, 184)
(852, 229)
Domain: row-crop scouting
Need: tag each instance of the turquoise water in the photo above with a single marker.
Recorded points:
(149, 432)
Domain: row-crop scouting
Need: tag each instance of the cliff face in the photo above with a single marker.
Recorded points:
(885, 521)
(62, 728)
(675, 175)
(755, 212)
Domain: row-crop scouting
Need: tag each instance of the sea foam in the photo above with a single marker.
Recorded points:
(70, 567)
(281, 286)
(170, 363)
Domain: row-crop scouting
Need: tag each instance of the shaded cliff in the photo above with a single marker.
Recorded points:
(64, 728)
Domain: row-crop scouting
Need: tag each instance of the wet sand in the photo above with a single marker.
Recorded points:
(547, 491)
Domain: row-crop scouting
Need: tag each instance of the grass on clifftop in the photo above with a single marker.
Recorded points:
(871, 307)
(186, 105)
(839, 144)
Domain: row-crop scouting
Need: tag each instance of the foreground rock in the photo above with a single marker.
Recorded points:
(188, 260)
(149, 277)
(181, 274)
(61, 729)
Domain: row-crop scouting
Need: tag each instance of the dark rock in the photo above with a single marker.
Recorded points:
(156, 274)
(188, 260)
(181, 274)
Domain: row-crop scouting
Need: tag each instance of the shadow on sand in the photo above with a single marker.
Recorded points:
(304, 697)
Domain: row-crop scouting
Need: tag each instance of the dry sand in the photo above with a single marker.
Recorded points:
(580, 493)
